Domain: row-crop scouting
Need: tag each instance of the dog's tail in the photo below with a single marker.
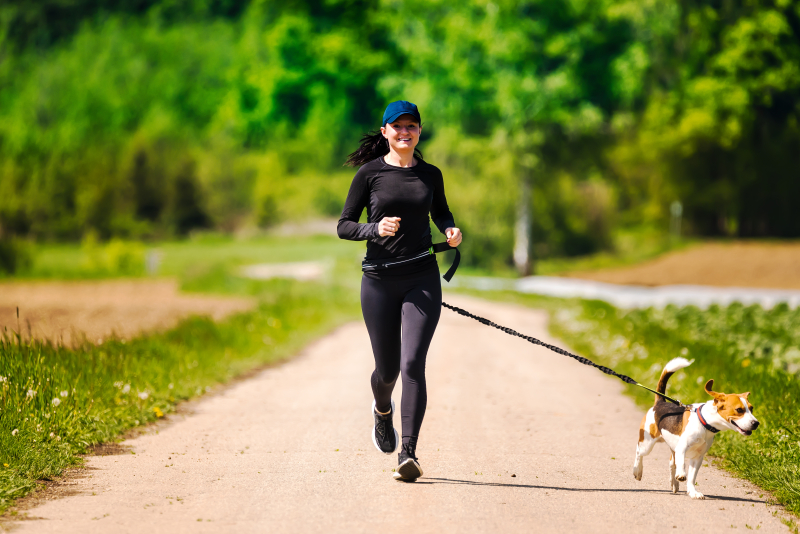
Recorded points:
(670, 369)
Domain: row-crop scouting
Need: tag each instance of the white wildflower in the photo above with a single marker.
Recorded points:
(119, 384)
(58, 438)
(3, 379)
(31, 394)
(684, 351)
(171, 385)
(52, 435)
(56, 401)
(143, 395)
(126, 388)
(65, 393)
(15, 432)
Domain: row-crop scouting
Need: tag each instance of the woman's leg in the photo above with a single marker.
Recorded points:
(381, 305)
(422, 307)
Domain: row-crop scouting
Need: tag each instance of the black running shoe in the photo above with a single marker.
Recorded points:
(408, 468)
(384, 436)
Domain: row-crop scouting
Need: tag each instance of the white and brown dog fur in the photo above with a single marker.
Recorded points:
(681, 429)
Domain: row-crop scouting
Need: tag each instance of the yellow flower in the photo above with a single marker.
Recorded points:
(5, 465)
(746, 362)
(157, 411)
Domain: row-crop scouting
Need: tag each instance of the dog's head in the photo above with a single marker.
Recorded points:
(735, 409)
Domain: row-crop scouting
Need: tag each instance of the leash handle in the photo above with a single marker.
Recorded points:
(444, 247)
(558, 350)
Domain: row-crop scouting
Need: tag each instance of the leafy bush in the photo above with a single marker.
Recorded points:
(115, 258)
(15, 256)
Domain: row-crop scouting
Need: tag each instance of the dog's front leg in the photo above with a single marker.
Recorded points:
(694, 468)
(680, 460)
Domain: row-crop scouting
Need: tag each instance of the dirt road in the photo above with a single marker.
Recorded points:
(289, 451)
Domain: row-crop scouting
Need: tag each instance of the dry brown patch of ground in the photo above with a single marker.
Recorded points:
(737, 264)
(66, 311)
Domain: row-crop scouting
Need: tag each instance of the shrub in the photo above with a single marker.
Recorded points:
(15, 256)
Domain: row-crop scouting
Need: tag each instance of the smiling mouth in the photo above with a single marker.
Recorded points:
(742, 432)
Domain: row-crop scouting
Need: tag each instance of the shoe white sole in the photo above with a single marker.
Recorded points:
(372, 433)
(408, 471)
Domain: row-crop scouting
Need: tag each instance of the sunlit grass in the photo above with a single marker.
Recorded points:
(76, 261)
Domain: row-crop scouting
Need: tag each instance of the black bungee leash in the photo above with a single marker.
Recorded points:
(442, 247)
(559, 350)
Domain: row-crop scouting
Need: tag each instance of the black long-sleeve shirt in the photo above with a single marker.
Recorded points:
(410, 193)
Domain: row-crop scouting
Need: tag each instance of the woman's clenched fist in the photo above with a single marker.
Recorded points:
(388, 226)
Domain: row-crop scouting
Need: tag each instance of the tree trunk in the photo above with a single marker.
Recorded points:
(523, 228)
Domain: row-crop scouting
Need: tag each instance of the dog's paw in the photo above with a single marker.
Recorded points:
(697, 495)
(680, 477)
(637, 472)
(675, 486)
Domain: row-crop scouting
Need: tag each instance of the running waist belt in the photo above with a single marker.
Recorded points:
(380, 265)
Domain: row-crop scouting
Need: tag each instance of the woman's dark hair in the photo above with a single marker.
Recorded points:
(372, 146)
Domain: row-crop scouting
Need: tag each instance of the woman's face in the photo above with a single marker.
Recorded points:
(402, 133)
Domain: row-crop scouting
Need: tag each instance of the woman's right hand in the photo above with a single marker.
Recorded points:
(388, 226)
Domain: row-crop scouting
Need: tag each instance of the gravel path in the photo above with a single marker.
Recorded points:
(289, 451)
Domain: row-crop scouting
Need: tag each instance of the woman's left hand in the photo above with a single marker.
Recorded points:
(453, 236)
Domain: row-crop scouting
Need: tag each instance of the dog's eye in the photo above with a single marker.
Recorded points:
(752, 409)
(740, 410)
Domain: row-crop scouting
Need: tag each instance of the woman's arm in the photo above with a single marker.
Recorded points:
(440, 212)
(357, 199)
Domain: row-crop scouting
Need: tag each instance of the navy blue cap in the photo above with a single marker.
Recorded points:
(401, 107)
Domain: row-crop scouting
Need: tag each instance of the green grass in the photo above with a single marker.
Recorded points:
(741, 348)
(57, 402)
(91, 260)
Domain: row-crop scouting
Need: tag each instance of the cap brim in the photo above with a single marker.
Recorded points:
(399, 114)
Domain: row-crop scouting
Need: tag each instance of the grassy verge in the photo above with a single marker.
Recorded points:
(94, 260)
(57, 402)
(741, 348)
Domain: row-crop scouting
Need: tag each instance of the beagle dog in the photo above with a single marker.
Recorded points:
(689, 430)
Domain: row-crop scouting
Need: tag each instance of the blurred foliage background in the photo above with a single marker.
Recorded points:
(148, 119)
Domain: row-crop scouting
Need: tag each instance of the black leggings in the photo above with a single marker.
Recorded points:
(412, 304)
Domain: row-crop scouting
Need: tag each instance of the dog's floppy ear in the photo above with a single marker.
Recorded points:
(745, 394)
(718, 397)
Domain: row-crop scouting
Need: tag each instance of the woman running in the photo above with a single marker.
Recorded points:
(401, 293)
